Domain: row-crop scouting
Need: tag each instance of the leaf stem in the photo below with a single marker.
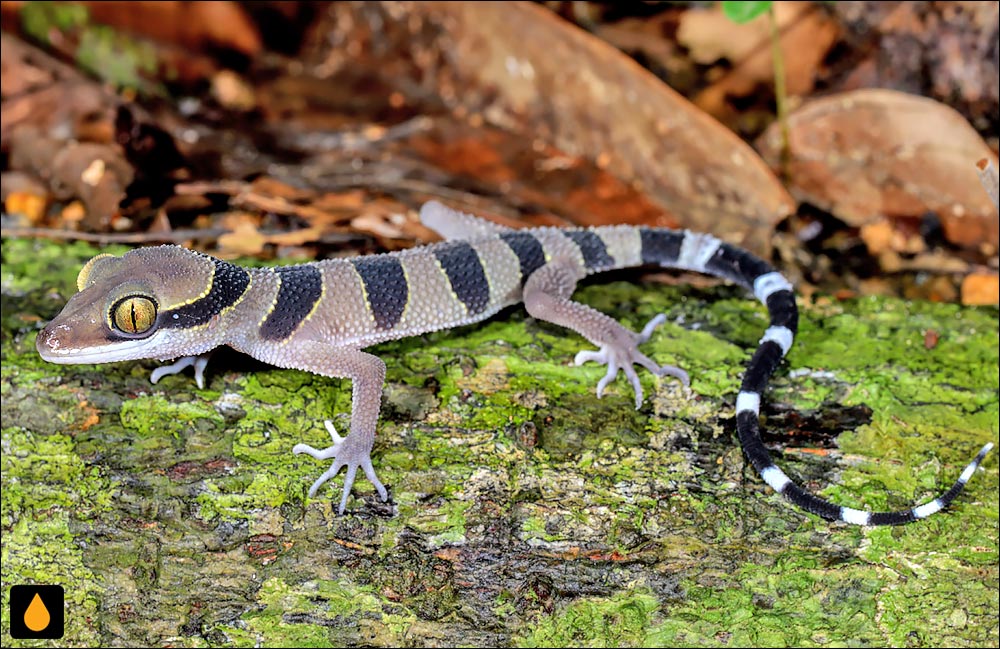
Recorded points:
(780, 92)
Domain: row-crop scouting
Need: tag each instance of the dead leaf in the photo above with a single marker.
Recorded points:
(232, 91)
(42, 92)
(884, 236)
(806, 35)
(981, 288)
(518, 67)
(194, 25)
(295, 237)
(868, 154)
(245, 240)
(31, 206)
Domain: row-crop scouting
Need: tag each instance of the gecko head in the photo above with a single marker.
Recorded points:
(148, 303)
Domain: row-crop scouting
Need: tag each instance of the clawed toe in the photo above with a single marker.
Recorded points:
(199, 363)
(623, 356)
(587, 356)
(608, 377)
(337, 439)
(345, 453)
(676, 372)
(647, 331)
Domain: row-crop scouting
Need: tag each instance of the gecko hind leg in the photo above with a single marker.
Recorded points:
(547, 297)
(620, 357)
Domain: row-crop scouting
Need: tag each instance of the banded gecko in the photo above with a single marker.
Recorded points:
(168, 302)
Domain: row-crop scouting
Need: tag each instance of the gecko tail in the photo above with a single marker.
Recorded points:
(707, 254)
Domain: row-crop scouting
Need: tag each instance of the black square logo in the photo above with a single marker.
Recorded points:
(36, 612)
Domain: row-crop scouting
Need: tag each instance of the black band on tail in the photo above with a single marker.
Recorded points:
(707, 254)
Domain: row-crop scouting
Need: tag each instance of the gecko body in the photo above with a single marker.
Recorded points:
(168, 302)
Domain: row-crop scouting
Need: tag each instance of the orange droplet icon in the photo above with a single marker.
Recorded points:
(36, 617)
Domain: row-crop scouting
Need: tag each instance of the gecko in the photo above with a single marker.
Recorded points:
(168, 302)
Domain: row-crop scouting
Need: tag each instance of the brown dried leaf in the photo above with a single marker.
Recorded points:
(378, 224)
(806, 34)
(295, 237)
(232, 91)
(97, 174)
(981, 288)
(348, 201)
(245, 240)
(649, 35)
(194, 25)
(43, 92)
(868, 154)
(522, 68)
(31, 206)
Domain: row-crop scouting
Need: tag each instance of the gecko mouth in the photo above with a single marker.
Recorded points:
(52, 348)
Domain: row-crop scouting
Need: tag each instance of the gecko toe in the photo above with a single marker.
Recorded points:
(587, 356)
(369, 470)
(337, 439)
(319, 454)
(352, 471)
(349, 451)
(198, 362)
(676, 372)
(623, 353)
(633, 378)
(647, 331)
(608, 377)
(329, 473)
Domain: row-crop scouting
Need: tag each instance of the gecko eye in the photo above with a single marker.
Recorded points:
(134, 314)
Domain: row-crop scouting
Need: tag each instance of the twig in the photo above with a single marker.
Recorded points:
(112, 237)
(780, 97)
(201, 187)
(364, 136)
(176, 236)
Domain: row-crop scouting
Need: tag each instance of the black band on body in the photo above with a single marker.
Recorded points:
(229, 283)
(595, 253)
(465, 272)
(660, 246)
(528, 250)
(301, 287)
(385, 286)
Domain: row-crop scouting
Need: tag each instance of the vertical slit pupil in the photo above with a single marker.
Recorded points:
(135, 324)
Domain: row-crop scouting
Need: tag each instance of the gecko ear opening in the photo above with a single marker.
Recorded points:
(88, 270)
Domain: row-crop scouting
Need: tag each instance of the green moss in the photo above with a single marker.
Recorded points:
(42, 472)
(113, 56)
(524, 510)
(314, 614)
(46, 491)
(158, 416)
(619, 621)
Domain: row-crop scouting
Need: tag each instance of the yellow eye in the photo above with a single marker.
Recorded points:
(134, 314)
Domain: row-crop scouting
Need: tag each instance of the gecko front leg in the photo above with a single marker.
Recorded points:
(367, 375)
(178, 366)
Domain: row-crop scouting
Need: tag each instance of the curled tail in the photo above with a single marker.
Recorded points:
(707, 254)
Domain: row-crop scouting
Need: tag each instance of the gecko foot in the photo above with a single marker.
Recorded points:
(199, 362)
(623, 354)
(345, 452)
